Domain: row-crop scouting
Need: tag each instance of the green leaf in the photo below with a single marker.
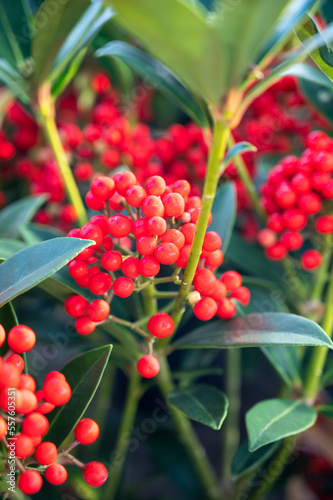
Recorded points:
(256, 330)
(9, 247)
(202, 403)
(83, 374)
(156, 74)
(67, 76)
(11, 79)
(326, 410)
(274, 419)
(33, 264)
(238, 149)
(182, 38)
(318, 91)
(51, 30)
(15, 29)
(8, 320)
(322, 56)
(286, 362)
(224, 213)
(245, 461)
(17, 214)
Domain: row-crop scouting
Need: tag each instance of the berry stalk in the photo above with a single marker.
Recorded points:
(48, 124)
(220, 138)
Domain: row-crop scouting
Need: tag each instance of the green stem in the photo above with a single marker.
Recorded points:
(48, 124)
(122, 443)
(220, 138)
(230, 430)
(189, 438)
(247, 182)
(319, 354)
(274, 469)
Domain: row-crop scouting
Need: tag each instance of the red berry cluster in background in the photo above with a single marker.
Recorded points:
(157, 230)
(23, 423)
(297, 196)
(100, 139)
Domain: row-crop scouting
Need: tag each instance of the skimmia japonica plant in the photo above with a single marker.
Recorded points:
(166, 187)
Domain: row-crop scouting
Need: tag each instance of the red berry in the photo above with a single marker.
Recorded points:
(123, 287)
(30, 482)
(2, 335)
(174, 204)
(21, 338)
(266, 237)
(204, 280)
(84, 325)
(148, 366)
(56, 391)
(161, 325)
(16, 360)
(24, 446)
(149, 266)
(35, 424)
(131, 267)
(55, 474)
(226, 309)
(95, 474)
(184, 254)
(86, 431)
(276, 223)
(232, 280)
(77, 268)
(242, 294)
(100, 283)
(146, 245)
(212, 241)
(205, 309)
(157, 226)
(76, 306)
(294, 219)
(166, 253)
(278, 251)
(174, 236)
(46, 453)
(119, 226)
(188, 230)
(292, 240)
(155, 185)
(93, 202)
(98, 310)
(135, 195)
(123, 181)
(3, 428)
(102, 187)
(140, 228)
(311, 260)
(309, 203)
(324, 224)
(9, 375)
(112, 260)
(27, 382)
(152, 206)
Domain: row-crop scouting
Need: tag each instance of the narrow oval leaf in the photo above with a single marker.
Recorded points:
(15, 26)
(256, 330)
(286, 362)
(245, 461)
(274, 419)
(12, 79)
(33, 264)
(156, 74)
(326, 410)
(224, 213)
(202, 403)
(17, 214)
(83, 374)
(237, 149)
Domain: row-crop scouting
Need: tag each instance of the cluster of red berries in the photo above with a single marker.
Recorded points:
(21, 406)
(297, 195)
(158, 229)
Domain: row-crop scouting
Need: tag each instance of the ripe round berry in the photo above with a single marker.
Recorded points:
(95, 474)
(84, 325)
(157, 226)
(94, 203)
(56, 391)
(309, 203)
(27, 382)
(292, 240)
(226, 309)
(77, 268)
(130, 267)
(119, 226)
(146, 245)
(123, 181)
(23, 446)
(135, 196)
(278, 251)
(275, 223)
(55, 474)
(21, 338)
(294, 219)
(242, 294)
(213, 259)
(188, 230)
(174, 236)
(16, 360)
(148, 366)
(184, 254)
(35, 424)
(155, 185)
(27, 402)
(92, 232)
(205, 308)
(100, 283)
(2, 335)
(324, 224)
(140, 227)
(149, 266)
(30, 482)
(98, 310)
(152, 206)
(266, 237)
(9, 375)
(212, 241)
(232, 280)
(204, 280)
(112, 260)
(311, 260)
(123, 287)
(3, 428)
(161, 325)
(46, 453)
(76, 306)
(55, 374)
(86, 431)
(166, 253)
(285, 195)
(174, 204)
(102, 187)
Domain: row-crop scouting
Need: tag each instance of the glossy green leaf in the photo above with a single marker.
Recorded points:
(256, 330)
(83, 374)
(245, 461)
(52, 26)
(224, 213)
(318, 90)
(15, 28)
(326, 9)
(10, 247)
(11, 79)
(286, 362)
(157, 75)
(182, 38)
(17, 214)
(202, 403)
(67, 76)
(326, 410)
(274, 419)
(33, 264)
(327, 378)
(238, 149)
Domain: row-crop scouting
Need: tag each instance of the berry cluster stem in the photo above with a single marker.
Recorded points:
(220, 137)
(319, 354)
(47, 121)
